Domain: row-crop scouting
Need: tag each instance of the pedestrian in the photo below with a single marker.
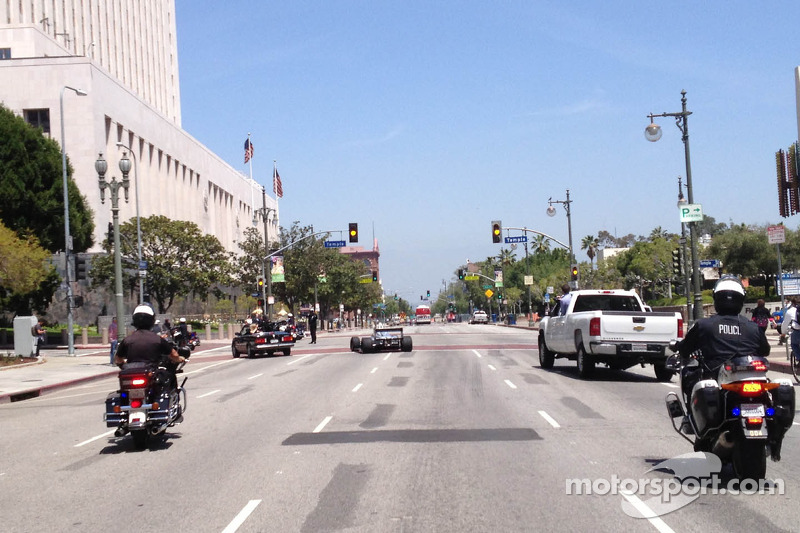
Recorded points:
(39, 333)
(112, 337)
(791, 327)
(761, 315)
(312, 326)
(563, 302)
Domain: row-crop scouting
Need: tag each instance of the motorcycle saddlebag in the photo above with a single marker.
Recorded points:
(113, 419)
(783, 399)
(707, 404)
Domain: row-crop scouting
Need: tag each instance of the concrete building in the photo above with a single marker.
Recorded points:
(124, 56)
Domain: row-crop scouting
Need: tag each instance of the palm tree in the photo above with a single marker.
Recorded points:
(541, 244)
(590, 243)
(506, 257)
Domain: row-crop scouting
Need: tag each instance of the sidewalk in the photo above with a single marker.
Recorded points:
(57, 369)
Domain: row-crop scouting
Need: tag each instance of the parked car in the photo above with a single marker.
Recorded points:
(479, 317)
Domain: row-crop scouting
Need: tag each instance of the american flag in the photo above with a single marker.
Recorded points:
(277, 187)
(248, 150)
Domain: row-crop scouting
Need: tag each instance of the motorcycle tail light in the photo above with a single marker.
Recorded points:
(155, 406)
(759, 366)
(754, 421)
(133, 382)
(749, 388)
(136, 404)
(594, 327)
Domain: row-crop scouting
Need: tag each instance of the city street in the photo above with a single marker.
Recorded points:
(464, 433)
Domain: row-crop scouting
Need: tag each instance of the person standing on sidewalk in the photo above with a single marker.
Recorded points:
(312, 326)
(761, 315)
(112, 337)
(39, 333)
(791, 327)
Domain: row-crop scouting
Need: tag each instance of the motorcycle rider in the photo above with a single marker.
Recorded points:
(144, 345)
(721, 336)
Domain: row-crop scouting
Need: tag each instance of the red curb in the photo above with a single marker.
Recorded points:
(39, 391)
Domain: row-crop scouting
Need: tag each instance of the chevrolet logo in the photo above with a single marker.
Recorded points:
(638, 328)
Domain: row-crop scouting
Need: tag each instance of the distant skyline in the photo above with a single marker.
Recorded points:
(428, 120)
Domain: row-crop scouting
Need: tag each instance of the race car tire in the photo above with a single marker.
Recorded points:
(367, 345)
(406, 344)
(355, 344)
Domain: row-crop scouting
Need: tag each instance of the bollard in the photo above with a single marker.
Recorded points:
(85, 336)
(208, 332)
(221, 331)
(231, 330)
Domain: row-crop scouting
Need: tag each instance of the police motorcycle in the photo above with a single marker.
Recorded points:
(740, 416)
(148, 401)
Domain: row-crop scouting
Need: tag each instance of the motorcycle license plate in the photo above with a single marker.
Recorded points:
(752, 409)
(136, 393)
(137, 418)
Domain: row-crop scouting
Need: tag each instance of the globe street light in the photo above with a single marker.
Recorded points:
(653, 133)
(125, 166)
(67, 237)
(551, 212)
(138, 224)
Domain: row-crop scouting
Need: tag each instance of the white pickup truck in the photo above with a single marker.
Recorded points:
(612, 327)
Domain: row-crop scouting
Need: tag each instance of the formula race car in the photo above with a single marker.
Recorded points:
(382, 339)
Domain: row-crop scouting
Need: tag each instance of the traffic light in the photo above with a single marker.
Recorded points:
(80, 268)
(260, 283)
(396, 297)
(497, 230)
(374, 275)
(353, 232)
(676, 262)
(499, 296)
(110, 234)
(573, 272)
(428, 294)
(260, 303)
(460, 273)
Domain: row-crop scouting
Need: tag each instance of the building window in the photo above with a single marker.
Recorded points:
(38, 118)
(5, 53)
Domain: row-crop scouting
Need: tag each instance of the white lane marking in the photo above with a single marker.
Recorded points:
(492, 367)
(388, 355)
(293, 361)
(256, 376)
(646, 512)
(211, 366)
(670, 385)
(476, 353)
(796, 423)
(355, 389)
(510, 384)
(106, 434)
(550, 419)
(374, 370)
(209, 393)
(242, 516)
(322, 424)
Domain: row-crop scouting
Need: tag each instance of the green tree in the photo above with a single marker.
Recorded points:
(27, 279)
(647, 266)
(180, 260)
(31, 186)
(745, 251)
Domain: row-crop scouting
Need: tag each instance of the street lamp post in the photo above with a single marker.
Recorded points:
(264, 211)
(67, 237)
(653, 133)
(551, 211)
(125, 166)
(138, 224)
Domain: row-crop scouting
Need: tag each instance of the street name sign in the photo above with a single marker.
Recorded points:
(523, 238)
(710, 263)
(471, 277)
(334, 244)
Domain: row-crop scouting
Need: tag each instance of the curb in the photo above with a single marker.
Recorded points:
(23, 365)
(35, 392)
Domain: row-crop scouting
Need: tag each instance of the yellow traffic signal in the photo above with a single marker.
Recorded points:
(574, 272)
(353, 232)
(497, 230)
(260, 282)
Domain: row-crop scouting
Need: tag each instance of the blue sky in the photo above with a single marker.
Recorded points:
(427, 120)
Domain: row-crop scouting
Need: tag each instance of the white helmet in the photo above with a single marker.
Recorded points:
(143, 317)
(182, 320)
(728, 295)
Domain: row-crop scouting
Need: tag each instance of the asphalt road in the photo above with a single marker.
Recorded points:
(465, 433)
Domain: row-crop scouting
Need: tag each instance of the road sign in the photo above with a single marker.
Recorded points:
(471, 277)
(523, 238)
(143, 273)
(488, 286)
(776, 234)
(334, 244)
(365, 280)
(710, 263)
(528, 280)
(691, 213)
(488, 293)
(142, 265)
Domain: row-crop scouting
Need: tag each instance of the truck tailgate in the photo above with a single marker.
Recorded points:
(638, 327)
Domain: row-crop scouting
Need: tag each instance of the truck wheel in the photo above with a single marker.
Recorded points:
(406, 344)
(663, 373)
(585, 363)
(546, 357)
(355, 344)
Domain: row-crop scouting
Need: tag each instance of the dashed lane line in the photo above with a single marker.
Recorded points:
(550, 419)
(508, 382)
(355, 389)
(322, 424)
(209, 393)
(242, 516)
(646, 512)
(106, 434)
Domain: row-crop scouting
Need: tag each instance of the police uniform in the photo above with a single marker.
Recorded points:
(144, 346)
